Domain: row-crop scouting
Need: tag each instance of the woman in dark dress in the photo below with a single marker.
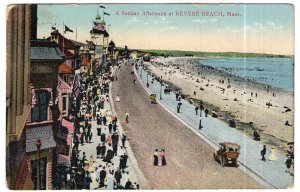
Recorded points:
(155, 156)
(163, 157)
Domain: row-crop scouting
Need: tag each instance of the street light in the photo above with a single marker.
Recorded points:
(160, 87)
(147, 80)
(38, 146)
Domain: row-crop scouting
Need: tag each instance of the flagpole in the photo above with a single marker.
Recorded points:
(103, 15)
(76, 34)
(63, 32)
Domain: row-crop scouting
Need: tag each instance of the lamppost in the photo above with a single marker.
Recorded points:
(147, 80)
(160, 95)
(38, 146)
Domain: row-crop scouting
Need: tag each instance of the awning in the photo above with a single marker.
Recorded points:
(63, 86)
(63, 159)
(44, 133)
(69, 125)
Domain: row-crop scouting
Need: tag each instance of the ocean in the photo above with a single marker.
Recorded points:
(276, 72)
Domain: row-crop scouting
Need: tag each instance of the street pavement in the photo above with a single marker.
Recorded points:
(214, 131)
(190, 163)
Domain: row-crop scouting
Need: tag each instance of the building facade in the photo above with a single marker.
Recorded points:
(18, 99)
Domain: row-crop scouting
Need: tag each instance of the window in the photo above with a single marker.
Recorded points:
(40, 111)
(64, 107)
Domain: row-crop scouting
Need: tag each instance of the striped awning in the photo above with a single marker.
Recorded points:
(63, 86)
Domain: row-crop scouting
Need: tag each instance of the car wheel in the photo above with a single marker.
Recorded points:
(223, 162)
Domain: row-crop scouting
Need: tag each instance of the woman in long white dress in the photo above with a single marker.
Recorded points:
(94, 184)
(272, 156)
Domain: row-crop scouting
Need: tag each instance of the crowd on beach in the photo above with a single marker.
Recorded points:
(209, 79)
(98, 161)
(185, 68)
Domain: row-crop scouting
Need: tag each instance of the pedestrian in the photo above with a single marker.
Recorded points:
(115, 149)
(83, 158)
(104, 120)
(110, 127)
(124, 138)
(118, 177)
(263, 153)
(108, 139)
(128, 184)
(118, 98)
(163, 157)
(103, 150)
(90, 137)
(292, 168)
(99, 131)
(127, 117)
(98, 150)
(102, 176)
(201, 108)
(155, 156)
(114, 126)
(288, 164)
(123, 162)
(196, 110)
(109, 154)
(206, 112)
(290, 151)
(103, 138)
(272, 156)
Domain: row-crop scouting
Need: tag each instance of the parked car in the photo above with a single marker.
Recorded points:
(228, 153)
(152, 98)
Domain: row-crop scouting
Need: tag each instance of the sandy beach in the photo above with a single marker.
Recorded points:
(232, 98)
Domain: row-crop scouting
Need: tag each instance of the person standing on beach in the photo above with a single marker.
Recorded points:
(263, 153)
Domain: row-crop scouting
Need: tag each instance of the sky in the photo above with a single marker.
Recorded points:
(257, 28)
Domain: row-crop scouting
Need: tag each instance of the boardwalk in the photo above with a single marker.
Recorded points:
(189, 159)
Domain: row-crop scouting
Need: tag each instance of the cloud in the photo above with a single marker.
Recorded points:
(163, 20)
(246, 29)
(257, 24)
(213, 20)
(270, 23)
(135, 20)
(260, 27)
(204, 21)
(170, 27)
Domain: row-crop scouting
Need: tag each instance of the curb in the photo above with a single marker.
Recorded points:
(144, 184)
(242, 166)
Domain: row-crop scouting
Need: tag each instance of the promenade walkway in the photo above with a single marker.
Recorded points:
(271, 173)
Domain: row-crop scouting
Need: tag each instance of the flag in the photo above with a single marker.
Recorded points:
(101, 6)
(53, 28)
(68, 29)
(106, 13)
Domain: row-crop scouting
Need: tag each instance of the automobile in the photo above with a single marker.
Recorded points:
(152, 98)
(227, 154)
(167, 90)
